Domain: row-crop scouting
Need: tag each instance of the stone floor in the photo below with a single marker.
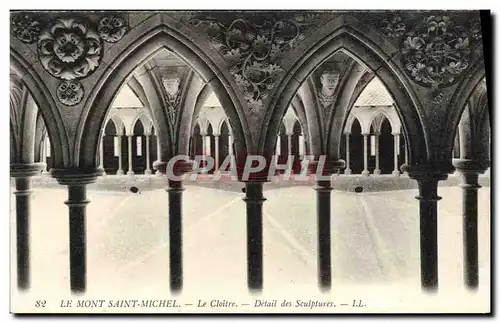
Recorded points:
(375, 249)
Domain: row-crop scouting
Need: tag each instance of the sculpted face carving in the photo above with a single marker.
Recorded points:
(172, 85)
(329, 82)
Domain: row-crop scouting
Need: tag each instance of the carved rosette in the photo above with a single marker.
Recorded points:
(435, 48)
(25, 27)
(254, 45)
(70, 92)
(69, 49)
(112, 28)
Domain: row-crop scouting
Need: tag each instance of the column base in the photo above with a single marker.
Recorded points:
(120, 172)
(158, 173)
(365, 173)
(148, 172)
(376, 172)
(396, 173)
(347, 171)
(130, 173)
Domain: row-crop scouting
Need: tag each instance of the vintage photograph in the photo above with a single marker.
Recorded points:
(250, 161)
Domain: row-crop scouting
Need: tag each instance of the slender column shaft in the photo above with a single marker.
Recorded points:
(231, 153)
(428, 199)
(470, 187)
(323, 193)
(365, 155)
(77, 202)
(101, 151)
(43, 156)
(254, 200)
(396, 143)
(289, 142)
(377, 155)
(23, 209)
(175, 190)
(148, 158)
(130, 166)
(216, 152)
(347, 154)
(120, 169)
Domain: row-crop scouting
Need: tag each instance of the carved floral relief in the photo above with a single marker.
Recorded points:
(70, 92)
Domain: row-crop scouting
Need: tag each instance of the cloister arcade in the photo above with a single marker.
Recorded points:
(154, 85)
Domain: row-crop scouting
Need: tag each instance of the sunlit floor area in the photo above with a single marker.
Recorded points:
(375, 248)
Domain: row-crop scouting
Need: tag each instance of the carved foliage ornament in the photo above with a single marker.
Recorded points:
(70, 92)
(254, 45)
(112, 28)
(25, 27)
(435, 48)
(69, 49)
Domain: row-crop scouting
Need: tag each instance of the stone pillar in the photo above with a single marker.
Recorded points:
(254, 199)
(43, 160)
(158, 155)
(101, 152)
(76, 180)
(278, 146)
(428, 179)
(396, 172)
(347, 154)
(175, 190)
(377, 154)
(216, 137)
(323, 211)
(365, 171)
(406, 158)
(22, 174)
(130, 166)
(289, 145)
(120, 169)
(148, 160)
(231, 153)
(204, 149)
(469, 170)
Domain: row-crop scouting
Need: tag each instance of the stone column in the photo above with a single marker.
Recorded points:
(254, 199)
(158, 155)
(406, 157)
(22, 174)
(130, 166)
(175, 190)
(289, 145)
(377, 154)
(204, 149)
(428, 178)
(101, 152)
(231, 153)
(120, 169)
(278, 146)
(216, 137)
(469, 170)
(43, 158)
(396, 172)
(77, 179)
(347, 170)
(323, 211)
(148, 160)
(365, 171)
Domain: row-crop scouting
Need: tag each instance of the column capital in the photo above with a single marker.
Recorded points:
(376, 133)
(26, 170)
(180, 167)
(216, 135)
(426, 173)
(330, 166)
(365, 134)
(203, 133)
(254, 192)
(470, 166)
(395, 134)
(76, 176)
(347, 133)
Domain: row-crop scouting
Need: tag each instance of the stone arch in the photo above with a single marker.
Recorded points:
(43, 99)
(138, 46)
(118, 122)
(378, 118)
(362, 48)
(145, 121)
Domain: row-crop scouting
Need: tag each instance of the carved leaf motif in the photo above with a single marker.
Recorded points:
(112, 28)
(254, 46)
(26, 27)
(70, 92)
(69, 49)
